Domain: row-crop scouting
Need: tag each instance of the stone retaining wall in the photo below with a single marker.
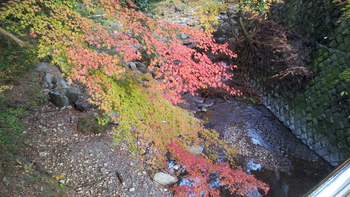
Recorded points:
(320, 114)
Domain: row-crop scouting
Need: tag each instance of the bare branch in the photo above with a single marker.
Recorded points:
(13, 37)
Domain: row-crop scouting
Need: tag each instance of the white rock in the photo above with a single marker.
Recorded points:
(43, 154)
(164, 179)
(176, 167)
(132, 189)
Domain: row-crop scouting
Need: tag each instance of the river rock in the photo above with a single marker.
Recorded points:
(58, 97)
(48, 81)
(164, 179)
(132, 189)
(221, 40)
(73, 93)
(104, 171)
(48, 68)
(83, 105)
(61, 82)
(141, 67)
(131, 65)
(183, 36)
(179, 8)
(112, 117)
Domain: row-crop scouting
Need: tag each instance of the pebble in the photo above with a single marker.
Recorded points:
(104, 171)
(43, 154)
(176, 167)
(132, 189)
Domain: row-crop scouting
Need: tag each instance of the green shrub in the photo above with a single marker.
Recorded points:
(11, 127)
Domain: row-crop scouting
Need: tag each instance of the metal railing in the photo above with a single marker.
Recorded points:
(336, 184)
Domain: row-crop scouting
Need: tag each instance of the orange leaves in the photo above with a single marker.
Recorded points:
(87, 61)
(181, 68)
(33, 35)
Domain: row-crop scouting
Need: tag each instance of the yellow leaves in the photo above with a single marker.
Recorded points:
(208, 12)
(58, 177)
(26, 167)
(5, 87)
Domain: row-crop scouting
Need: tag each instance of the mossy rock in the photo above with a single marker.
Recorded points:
(90, 124)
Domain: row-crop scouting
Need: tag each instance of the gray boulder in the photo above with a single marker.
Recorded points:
(58, 97)
(83, 105)
(137, 66)
(61, 82)
(48, 81)
(141, 67)
(131, 65)
(73, 93)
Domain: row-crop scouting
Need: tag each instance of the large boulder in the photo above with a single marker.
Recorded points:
(61, 92)
(73, 93)
(48, 81)
(59, 98)
(82, 104)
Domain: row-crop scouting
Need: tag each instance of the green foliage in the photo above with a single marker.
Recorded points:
(345, 75)
(11, 127)
(256, 6)
(103, 119)
(145, 4)
(14, 62)
(92, 124)
(345, 9)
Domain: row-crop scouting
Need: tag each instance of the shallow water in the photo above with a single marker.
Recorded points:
(267, 148)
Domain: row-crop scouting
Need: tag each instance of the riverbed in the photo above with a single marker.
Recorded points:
(267, 148)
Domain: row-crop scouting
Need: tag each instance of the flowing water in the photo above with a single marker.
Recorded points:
(267, 148)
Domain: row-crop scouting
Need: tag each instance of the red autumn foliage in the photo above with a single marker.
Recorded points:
(199, 170)
(180, 68)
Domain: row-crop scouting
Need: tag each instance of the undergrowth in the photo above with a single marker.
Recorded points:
(11, 127)
(14, 62)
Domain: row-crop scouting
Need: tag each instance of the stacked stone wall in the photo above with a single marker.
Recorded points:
(320, 114)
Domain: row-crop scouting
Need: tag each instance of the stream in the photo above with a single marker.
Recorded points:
(268, 149)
